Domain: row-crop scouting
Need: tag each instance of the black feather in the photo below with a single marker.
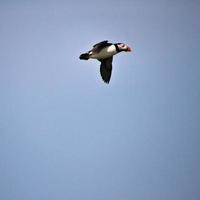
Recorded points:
(106, 69)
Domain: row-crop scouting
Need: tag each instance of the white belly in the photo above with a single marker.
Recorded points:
(105, 53)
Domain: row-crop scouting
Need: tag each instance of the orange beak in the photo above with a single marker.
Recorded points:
(129, 49)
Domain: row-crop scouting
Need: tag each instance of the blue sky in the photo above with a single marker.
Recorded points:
(64, 134)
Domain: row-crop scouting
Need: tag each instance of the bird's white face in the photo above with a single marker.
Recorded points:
(124, 47)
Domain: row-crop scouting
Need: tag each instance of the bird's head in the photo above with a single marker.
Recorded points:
(123, 47)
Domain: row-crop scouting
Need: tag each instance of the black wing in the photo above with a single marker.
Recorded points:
(106, 69)
(101, 43)
(99, 46)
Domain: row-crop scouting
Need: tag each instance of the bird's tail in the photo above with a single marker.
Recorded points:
(84, 56)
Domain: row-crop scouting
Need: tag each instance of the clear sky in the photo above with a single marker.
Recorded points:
(64, 134)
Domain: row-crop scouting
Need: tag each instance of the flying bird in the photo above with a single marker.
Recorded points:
(104, 52)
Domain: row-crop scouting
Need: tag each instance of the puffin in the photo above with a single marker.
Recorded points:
(104, 52)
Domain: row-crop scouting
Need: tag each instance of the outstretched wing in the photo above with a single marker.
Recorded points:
(99, 46)
(106, 69)
(101, 43)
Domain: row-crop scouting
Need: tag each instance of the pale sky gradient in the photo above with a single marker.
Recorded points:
(66, 135)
